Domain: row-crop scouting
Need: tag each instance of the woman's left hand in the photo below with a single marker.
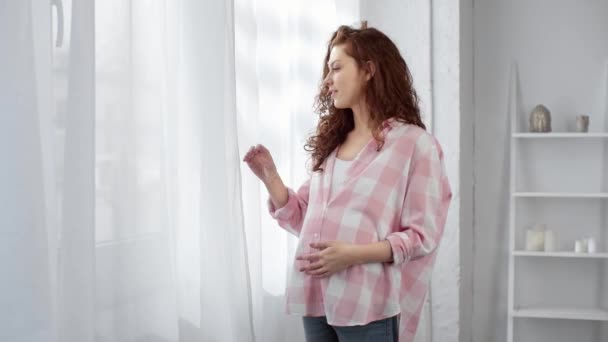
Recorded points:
(334, 256)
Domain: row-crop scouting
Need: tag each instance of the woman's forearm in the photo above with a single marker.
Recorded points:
(373, 252)
(277, 191)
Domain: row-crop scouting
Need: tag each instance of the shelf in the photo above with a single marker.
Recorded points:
(561, 254)
(562, 194)
(562, 313)
(550, 135)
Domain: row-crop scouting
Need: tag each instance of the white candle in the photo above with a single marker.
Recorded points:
(584, 245)
(550, 241)
(535, 240)
(591, 245)
(578, 246)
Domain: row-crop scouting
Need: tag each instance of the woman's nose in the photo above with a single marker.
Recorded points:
(327, 81)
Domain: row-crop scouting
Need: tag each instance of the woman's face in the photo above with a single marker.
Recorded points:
(345, 81)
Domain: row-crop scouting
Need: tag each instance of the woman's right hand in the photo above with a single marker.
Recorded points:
(260, 161)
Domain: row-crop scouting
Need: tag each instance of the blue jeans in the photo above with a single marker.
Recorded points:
(316, 329)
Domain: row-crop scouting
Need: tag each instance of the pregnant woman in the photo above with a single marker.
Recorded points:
(371, 215)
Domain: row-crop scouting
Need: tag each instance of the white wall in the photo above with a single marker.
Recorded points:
(561, 50)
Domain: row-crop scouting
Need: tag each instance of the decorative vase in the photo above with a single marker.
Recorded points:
(582, 123)
(540, 119)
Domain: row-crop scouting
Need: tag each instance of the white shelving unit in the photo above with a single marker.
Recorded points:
(560, 179)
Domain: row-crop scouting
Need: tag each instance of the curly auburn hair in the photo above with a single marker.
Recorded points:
(389, 93)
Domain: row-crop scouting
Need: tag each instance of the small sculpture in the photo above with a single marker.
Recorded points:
(540, 119)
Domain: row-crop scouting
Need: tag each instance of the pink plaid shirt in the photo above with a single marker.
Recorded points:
(400, 194)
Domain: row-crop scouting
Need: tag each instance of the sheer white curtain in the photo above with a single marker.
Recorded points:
(127, 214)
(25, 297)
(121, 216)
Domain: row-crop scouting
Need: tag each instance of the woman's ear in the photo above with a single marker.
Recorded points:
(370, 68)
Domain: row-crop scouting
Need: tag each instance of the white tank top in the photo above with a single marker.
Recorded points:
(339, 176)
